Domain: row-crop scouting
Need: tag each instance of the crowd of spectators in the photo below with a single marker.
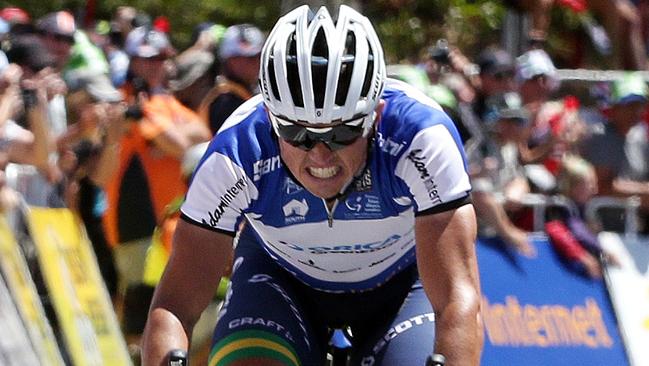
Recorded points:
(528, 141)
(107, 122)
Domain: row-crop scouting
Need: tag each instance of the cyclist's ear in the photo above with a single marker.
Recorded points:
(379, 111)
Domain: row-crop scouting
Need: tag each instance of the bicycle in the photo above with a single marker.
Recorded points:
(339, 352)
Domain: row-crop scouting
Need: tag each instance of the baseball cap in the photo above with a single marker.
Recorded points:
(97, 85)
(494, 60)
(505, 106)
(535, 63)
(190, 66)
(59, 23)
(28, 51)
(4, 62)
(14, 15)
(215, 32)
(630, 88)
(241, 40)
(146, 43)
(192, 157)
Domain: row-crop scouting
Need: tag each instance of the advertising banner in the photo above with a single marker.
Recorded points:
(15, 347)
(538, 311)
(76, 288)
(25, 295)
(628, 285)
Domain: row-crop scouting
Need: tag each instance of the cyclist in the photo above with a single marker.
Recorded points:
(349, 199)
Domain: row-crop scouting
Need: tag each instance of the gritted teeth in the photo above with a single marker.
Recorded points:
(324, 172)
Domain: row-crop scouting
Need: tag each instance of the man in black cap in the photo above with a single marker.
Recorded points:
(239, 55)
(497, 70)
(496, 174)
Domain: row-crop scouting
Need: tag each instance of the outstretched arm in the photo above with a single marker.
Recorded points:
(198, 260)
(449, 273)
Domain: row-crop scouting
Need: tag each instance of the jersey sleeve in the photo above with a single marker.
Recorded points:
(434, 169)
(219, 193)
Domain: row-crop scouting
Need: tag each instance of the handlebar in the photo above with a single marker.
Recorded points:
(436, 359)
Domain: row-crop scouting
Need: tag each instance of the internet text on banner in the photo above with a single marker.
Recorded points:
(629, 288)
(22, 288)
(75, 285)
(538, 311)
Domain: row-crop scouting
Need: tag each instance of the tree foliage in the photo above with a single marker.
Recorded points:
(406, 27)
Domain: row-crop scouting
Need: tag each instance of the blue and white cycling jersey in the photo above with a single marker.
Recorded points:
(416, 166)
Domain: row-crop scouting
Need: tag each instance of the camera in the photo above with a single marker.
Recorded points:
(29, 98)
(133, 113)
(440, 52)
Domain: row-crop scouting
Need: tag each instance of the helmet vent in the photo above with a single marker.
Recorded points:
(368, 74)
(292, 72)
(273, 79)
(346, 69)
(319, 66)
(318, 69)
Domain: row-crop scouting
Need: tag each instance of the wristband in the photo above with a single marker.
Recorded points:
(471, 70)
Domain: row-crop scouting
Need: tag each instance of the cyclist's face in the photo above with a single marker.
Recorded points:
(322, 171)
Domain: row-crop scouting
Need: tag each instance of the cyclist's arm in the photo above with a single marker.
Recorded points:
(198, 260)
(448, 269)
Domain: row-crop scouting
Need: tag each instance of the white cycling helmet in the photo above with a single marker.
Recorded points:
(319, 72)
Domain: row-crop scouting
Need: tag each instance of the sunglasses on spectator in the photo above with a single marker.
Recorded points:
(154, 58)
(501, 75)
(303, 136)
(60, 37)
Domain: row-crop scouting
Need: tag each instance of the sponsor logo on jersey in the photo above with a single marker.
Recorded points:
(365, 206)
(225, 201)
(291, 187)
(347, 249)
(262, 167)
(364, 182)
(388, 146)
(295, 211)
(419, 161)
(427, 319)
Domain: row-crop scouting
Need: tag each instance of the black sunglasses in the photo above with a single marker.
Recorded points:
(502, 75)
(302, 136)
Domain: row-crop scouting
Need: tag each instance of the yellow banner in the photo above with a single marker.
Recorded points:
(25, 295)
(77, 290)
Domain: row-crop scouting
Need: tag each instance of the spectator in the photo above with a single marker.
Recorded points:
(35, 63)
(148, 177)
(89, 156)
(57, 32)
(207, 36)
(120, 26)
(567, 229)
(620, 18)
(619, 151)
(71, 48)
(496, 76)
(123, 21)
(196, 73)
(15, 20)
(23, 94)
(493, 74)
(555, 126)
(496, 176)
(239, 55)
